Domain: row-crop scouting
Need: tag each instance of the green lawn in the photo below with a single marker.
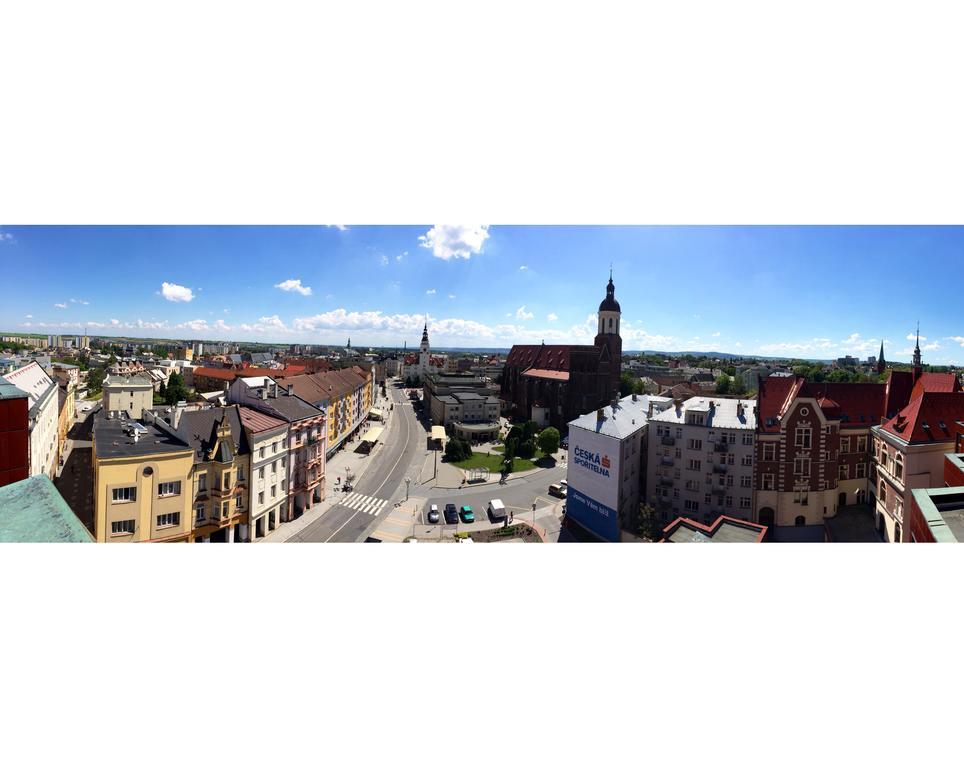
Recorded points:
(493, 462)
(539, 454)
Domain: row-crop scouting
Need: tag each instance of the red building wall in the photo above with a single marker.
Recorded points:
(953, 477)
(14, 440)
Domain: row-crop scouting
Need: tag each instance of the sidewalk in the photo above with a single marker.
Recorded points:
(335, 467)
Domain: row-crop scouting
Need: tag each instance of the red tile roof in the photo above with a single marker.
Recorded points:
(930, 418)
(554, 357)
(225, 374)
(542, 373)
(860, 404)
(257, 421)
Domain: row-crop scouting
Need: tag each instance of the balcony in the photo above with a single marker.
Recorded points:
(666, 461)
(668, 440)
(666, 482)
(722, 447)
(720, 469)
(718, 490)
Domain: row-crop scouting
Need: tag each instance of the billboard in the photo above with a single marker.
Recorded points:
(593, 476)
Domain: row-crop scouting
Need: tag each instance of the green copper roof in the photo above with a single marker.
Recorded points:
(32, 510)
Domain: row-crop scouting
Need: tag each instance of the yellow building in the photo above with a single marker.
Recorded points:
(184, 481)
(346, 395)
(141, 482)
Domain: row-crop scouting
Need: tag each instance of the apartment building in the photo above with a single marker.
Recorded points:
(43, 416)
(132, 393)
(267, 438)
(307, 437)
(142, 473)
(701, 460)
(346, 397)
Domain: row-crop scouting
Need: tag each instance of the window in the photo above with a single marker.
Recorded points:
(883, 492)
(746, 461)
(694, 464)
(679, 453)
(169, 489)
(694, 445)
(284, 461)
(274, 491)
(747, 439)
(845, 445)
(746, 482)
(800, 521)
(274, 466)
(240, 474)
(124, 495)
(767, 482)
(899, 466)
(260, 498)
(225, 508)
(122, 526)
(744, 502)
(227, 480)
(706, 498)
(171, 518)
(843, 472)
(803, 437)
(861, 444)
(691, 506)
(769, 451)
(238, 502)
(728, 501)
(679, 433)
(274, 447)
(198, 513)
(202, 481)
(801, 466)
(692, 485)
(861, 470)
(676, 493)
(261, 452)
(260, 473)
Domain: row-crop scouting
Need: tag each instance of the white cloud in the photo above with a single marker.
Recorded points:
(79, 301)
(913, 337)
(715, 335)
(294, 285)
(521, 313)
(958, 339)
(339, 227)
(455, 241)
(430, 292)
(451, 295)
(401, 256)
(29, 317)
(383, 260)
(60, 306)
(6, 237)
(225, 311)
(523, 268)
(552, 317)
(176, 293)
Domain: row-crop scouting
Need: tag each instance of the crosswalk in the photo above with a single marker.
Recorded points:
(361, 503)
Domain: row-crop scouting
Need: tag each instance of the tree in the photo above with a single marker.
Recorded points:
(176, 390)
(529, 430)
(457, 449)
(723, 385)
(163, 392)
(112, 359)
(549, 441)
(629, 385)
(650, 526)
(526, 449)
(511, 444)
(738, 388)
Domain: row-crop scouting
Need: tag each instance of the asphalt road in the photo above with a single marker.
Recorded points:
(403, 445)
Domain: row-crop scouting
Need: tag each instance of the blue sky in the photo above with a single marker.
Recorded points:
(815, 292)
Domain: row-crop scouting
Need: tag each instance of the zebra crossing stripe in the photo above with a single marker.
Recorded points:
(370, 506)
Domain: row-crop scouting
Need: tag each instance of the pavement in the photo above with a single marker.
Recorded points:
(75, 480)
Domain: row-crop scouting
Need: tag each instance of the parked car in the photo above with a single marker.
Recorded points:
(433, 514)
(564, 443)
(557, 490)
(496, 510)
(451, 514)
(467, 515)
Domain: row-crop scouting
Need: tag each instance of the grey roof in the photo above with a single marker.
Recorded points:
(722, 414)
(627, 418)
(113, 438)
(199, 430)
(32, 510)
(236, 359)
(943, 512)
(129, 380)
(261, 357)
(727, 532)
(9, 392)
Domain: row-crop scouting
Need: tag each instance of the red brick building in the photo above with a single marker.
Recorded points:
(14, 433)
(552, 384)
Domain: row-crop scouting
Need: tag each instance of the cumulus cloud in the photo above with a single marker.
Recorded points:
(521, 313)
(176, 293)
(79, 301)
(401, 256)
(29, 317)
(552, 317)
(455, 241)
(60, 306)
(383, 260)
(913, 337)
(451, 295)
(6, 237)
(523, 268)
(294, 285)
(339, 227)
(430, 292)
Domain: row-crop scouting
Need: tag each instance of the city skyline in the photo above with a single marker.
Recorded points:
(804, 292)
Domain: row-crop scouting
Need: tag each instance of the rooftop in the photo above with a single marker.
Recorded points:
(943, 511)
(627, 418)
(725, 530)
(123, 436)
(135, 380)
(722, 414)
(10, 392)
(32, 510)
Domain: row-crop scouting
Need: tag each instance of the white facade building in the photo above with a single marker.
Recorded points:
(43, 413)
(701, 460)
(607, 465)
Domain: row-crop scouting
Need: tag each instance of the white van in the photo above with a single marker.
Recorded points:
(496, 510)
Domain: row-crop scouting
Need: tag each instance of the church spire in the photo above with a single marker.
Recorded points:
(881, 363)
(917, 358)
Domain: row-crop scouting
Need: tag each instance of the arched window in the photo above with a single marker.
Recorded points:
(800, 521)
(898, 466)
(897, 533)
(883, 492)
(610, 323)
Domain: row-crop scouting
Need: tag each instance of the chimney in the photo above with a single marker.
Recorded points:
(634, 397)
(291, 389)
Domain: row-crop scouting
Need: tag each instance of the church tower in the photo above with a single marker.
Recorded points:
(424, 354)
(918, 366)
(608, 335)
(881, 363)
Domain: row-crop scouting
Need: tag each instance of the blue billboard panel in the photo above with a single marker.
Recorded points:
(590, 514)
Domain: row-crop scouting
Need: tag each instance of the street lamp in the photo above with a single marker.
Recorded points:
(408, 482)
